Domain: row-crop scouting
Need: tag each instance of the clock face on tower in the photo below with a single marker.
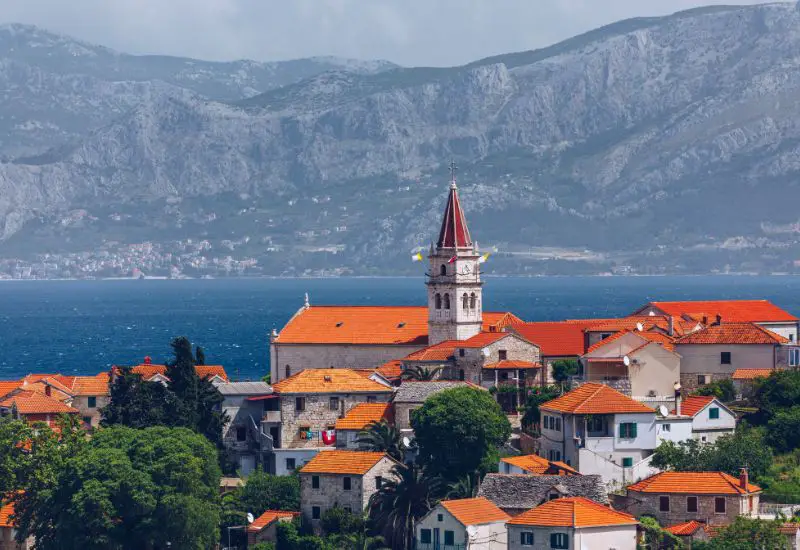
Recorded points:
(465, 269)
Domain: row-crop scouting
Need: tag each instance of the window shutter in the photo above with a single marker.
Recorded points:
(633, 430)
(554, 540)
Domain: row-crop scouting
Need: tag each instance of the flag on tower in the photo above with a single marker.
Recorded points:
(417, 257)
(453, 259)
(483, 258)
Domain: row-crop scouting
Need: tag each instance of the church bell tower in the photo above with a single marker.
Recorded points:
(454, 281)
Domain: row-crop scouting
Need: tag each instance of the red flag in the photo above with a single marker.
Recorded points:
(329, 437)
(453, 259)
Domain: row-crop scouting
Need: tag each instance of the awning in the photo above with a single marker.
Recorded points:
(263, 397)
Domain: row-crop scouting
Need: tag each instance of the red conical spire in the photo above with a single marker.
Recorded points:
(454, 232)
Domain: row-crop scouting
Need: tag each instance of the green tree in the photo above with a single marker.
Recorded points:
(264, 491)
(783, 429)
(535, 398)
(15, 458)
(459, 431)
(563, 369)
(655, 537)
(723, 390)
(421, 374)
(137, 403)
(746, 534)
(200, 355)
(780, 390)
(382, 437)
(402, 500)
(338, 521)
(465, 487)
(123, 489)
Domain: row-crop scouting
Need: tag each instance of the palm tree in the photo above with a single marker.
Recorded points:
(421, 374)
(403, 499)
(465, 487)
(383, 438)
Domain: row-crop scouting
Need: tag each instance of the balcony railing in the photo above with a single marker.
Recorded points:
(620, 383)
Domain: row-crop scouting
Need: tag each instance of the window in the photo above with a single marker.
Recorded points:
(378, 482)
(595, 424)
(442, 270)
(288, 371)
(627, 462)
(502, 354)
(791, 337)
(605, 335)
(447, 301)
(91, 402)
(461, 374)
(702, 379)
(627, 430)
(719, 505)
(794, 357)
(553, 496)
(334, 403)
(87, 420)
(425, 536)
(558, 424)
(299, 404)
(438, 300)
(559, 540)
(667, 427)
(315, 512)
(473, 301)
(461, 352)
(348, 509)
(291, 464)
(241, 433)
(439, 517)
(713, 413)
(347, 483)
(449, 538)
(465, 301)
(371, 399)
(691, 504)
(663, 504)
(526, 538)
(725, 357)
(315, 482)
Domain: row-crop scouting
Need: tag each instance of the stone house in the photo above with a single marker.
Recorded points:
(744, 380)
(533, 465)
(411, 395)
(516, 493)
(707, 497)
(244, 403)
(263, 529)
(339, 478)
(717, 351)
(359, 419)
(468, 524)
(689, 532)
(33, 406)
(572, 523)
(86, 394)
(710, 417)
(313, 400)
(557, 340)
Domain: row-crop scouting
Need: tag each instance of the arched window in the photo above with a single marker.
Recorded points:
(447, 301)
(461, 374)
(465, 301)
(472, 301)
(288, 371)
(438, 300)
(443, 270)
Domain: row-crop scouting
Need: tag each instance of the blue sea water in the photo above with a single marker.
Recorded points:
(83, 327)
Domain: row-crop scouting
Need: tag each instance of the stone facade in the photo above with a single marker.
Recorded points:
(331, 492)
(455, 303)
(706, 360)
(650, 503)
(90, 415)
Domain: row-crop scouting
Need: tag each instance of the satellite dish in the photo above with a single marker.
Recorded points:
(626, 361)
(639, 326)
(662, 410)
(406, 442)
(250, 518)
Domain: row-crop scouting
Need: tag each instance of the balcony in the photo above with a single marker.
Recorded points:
(271, 417)
(620, 383)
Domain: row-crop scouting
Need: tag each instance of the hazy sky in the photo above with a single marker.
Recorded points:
(409, 32)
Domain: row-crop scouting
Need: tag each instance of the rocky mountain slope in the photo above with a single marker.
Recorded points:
(672, 143)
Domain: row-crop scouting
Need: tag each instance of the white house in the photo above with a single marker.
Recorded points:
(465, 524)
(598, 430)
(573, 523)
(710, 417)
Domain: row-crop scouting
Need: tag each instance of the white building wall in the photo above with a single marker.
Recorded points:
(706, 358)
(710, 429)
(787, 330)
(300, 456)
(654, 369)
(448, 523)
(489, 536)
(645, 431)
(680, 429)
(618, 537)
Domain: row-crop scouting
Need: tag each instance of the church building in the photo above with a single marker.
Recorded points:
(366, 337)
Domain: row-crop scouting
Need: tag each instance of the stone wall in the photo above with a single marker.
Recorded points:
(648, 503)
(81, 403)
(402, 413)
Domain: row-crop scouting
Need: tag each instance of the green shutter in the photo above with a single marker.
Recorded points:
(713, 413)
(627, 462)
(623, 431)
(633, 430)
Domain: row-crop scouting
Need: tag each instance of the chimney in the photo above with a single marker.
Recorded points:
(743, 479)
(677, 387)
(671, 328)
(147, 360)
(719, 319)
(48, 391)
(705, 320)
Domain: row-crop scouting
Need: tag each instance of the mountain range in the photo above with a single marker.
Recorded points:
(653, 145)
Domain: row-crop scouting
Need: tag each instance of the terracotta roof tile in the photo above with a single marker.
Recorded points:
(699, 483)
(535, 464)
(483, 339)
(267, 518)
(6, 511)
(572, 512)
(693, 404)
(733, 333)
(437, 352)
(342, 462)
(555, 339)
(148, 371)
(512, 364)
(751, 374)
(730, 310)
(667, 342)
(391, 370)
(329, 381)
(31, 402)
(685, 529)
(92, 385)
(594, 398)
(474, 511)
(7, 386)
(360, 416)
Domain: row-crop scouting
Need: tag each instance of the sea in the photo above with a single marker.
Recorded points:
(84, 327)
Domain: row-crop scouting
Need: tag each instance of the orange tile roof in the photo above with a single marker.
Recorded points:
(483, 339)
(605, 341)
(7, 386)
(437, 352)
(380, 325)
(734, 333)
(572, 512)
(685, 529)
(536, 464)
(693, 404)
(329, 381)
(360, 416)
(699, 483)
(6, 511)
(474, 511)
(267, 518)
(31, 402)
(751, 374)
(512, 364)
(555, 339)
(667, 342)
(148, 371)
(594, 398)
(730, 310)
(91, 385)
(342, 462)
(391, 370)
